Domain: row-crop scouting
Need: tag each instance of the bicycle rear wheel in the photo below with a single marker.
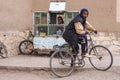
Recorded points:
(102, 58)
(60, 63)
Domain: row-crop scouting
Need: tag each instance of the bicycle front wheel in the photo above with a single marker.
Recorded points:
(60, 63)
(102, 58)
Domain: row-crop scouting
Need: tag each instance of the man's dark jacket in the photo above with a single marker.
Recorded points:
(70, 34)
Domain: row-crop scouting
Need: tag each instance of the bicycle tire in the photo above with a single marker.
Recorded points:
(25, 52)
(96, 61)
(63, 67)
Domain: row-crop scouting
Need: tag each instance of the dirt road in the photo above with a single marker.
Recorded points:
(81, 74)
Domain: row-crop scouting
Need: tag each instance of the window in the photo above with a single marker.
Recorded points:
(37, 18)
(40, 18)
(40, 23)
(56, 30)
(71, 15)
(50, 24)
(43, 18)
(40, 30)
(75, 14)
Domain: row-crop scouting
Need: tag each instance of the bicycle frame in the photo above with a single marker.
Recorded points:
(91, 45)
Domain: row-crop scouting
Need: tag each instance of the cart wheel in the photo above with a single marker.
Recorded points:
(26, 47)
(3, 50)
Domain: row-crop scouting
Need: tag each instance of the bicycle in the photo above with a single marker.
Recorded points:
(61, 59)
(3, 50)
(26, 46)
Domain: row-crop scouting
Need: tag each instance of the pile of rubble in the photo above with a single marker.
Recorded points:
(11, 39)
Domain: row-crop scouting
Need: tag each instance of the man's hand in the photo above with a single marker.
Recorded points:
(95, 31)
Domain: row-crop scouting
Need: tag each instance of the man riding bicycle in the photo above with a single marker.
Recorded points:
(76, 29)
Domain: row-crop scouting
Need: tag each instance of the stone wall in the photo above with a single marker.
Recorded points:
(12, 39)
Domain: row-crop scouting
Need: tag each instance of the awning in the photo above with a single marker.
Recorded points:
(57, 6)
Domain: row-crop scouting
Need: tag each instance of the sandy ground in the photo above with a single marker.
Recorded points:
(81, 74)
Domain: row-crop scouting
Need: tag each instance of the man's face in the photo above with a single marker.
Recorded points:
(85, 14)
